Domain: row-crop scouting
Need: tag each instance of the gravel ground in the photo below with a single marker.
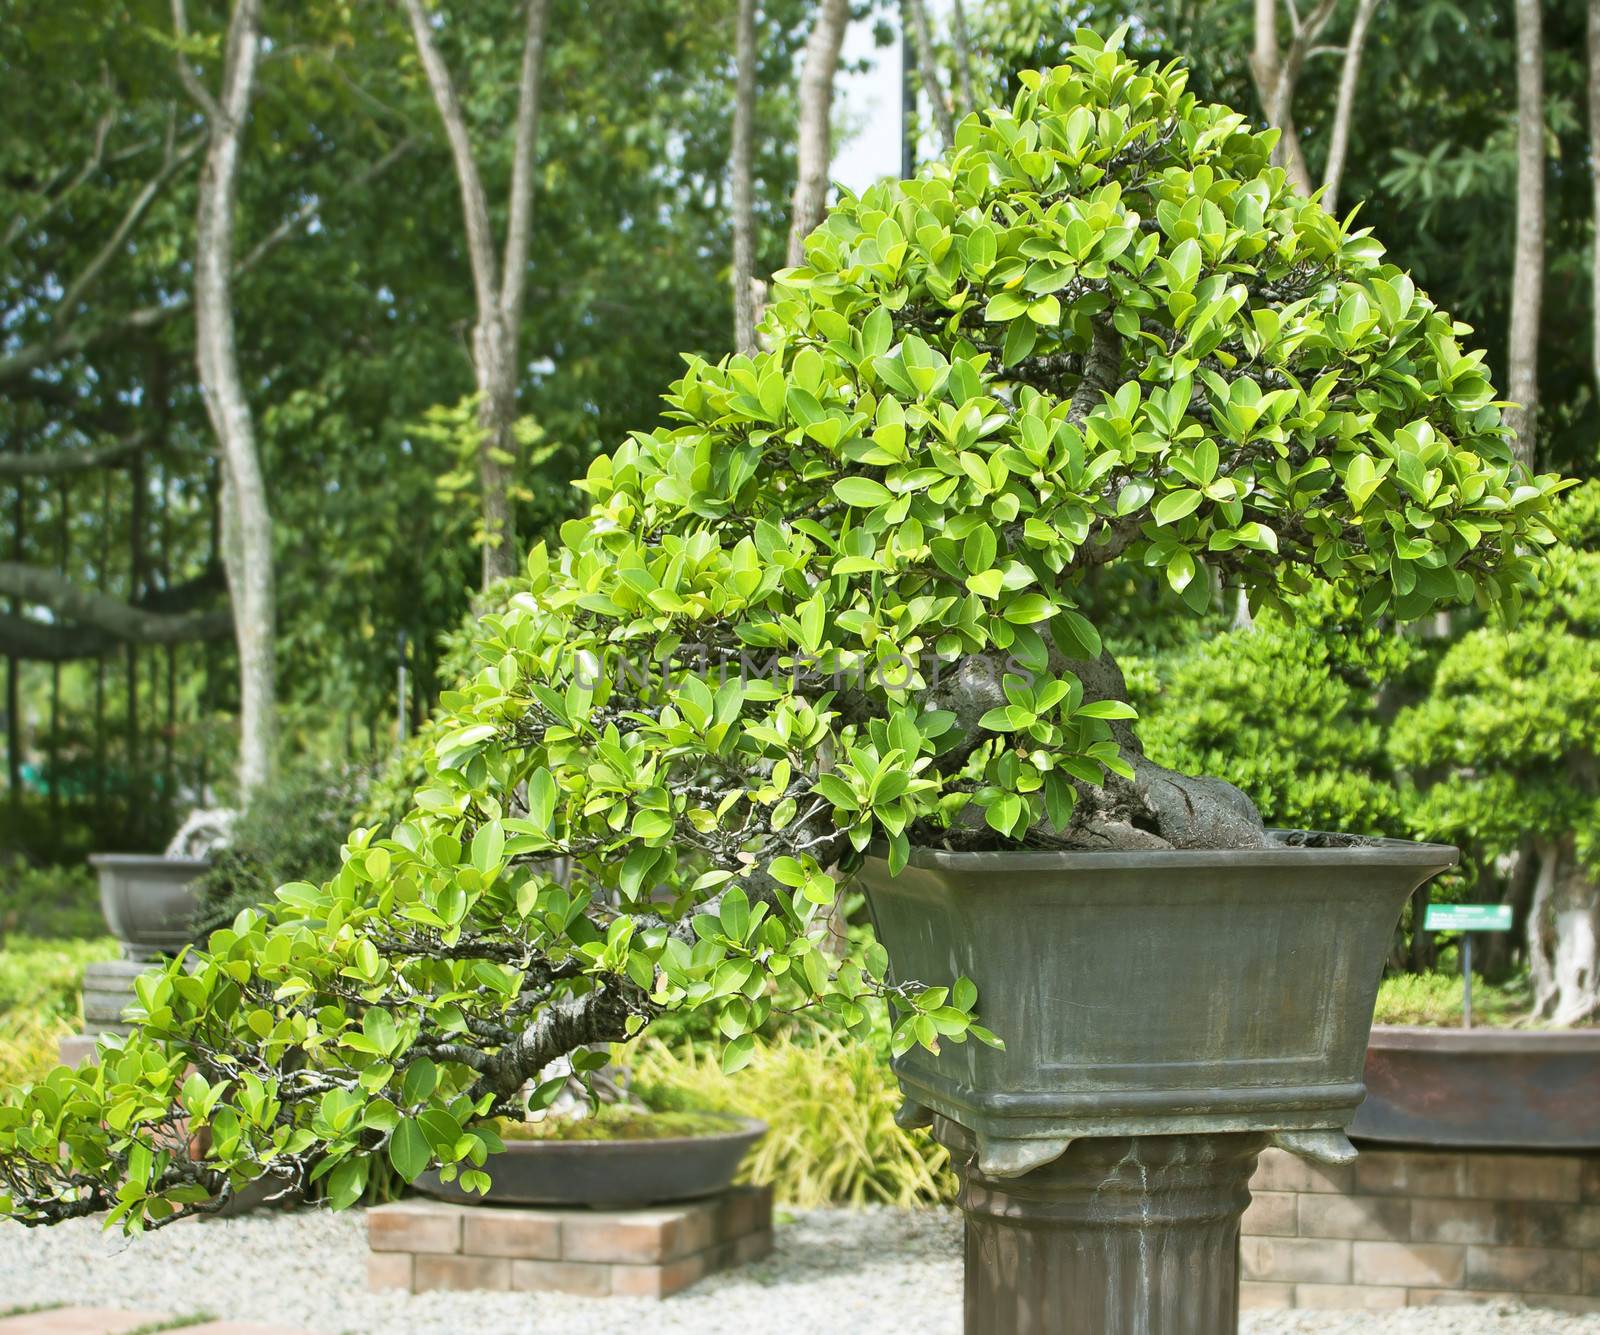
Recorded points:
(835, 1272)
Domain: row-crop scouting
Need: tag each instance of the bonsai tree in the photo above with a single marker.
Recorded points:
(833, 600)
(1505, 745)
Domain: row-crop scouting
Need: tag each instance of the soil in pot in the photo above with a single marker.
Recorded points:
(614, 1122)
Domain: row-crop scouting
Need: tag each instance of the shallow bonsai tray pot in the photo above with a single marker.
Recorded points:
(609, 1174)
(1164, 992)
(1530, 1089)
(148, 901)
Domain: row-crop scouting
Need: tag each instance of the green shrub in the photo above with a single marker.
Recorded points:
(1434, 998)
(1287, 711)
(830, 1101)
(42, 978)
(291, 831)
(49, 901)
(40, 982)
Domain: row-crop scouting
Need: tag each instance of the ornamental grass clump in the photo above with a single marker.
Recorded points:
(835, 599)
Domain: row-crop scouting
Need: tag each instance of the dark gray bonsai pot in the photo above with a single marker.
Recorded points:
(1148, 993)
(149, 901)
(610, 1174)
(1522, 1089)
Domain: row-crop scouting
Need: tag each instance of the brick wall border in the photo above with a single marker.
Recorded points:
(419, 1245)
(1417, 1228)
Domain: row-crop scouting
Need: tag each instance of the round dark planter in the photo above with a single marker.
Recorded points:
(1482, 1088)
(610, 1174)
(1166, 1015)
(148, 901)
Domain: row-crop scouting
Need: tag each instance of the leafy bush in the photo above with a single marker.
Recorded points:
(830, 1100)
(1103, 330)
(1287, 710)
(40, 986)
(49, 901)
(1434, 998)
(1503, 749)
(292, 830)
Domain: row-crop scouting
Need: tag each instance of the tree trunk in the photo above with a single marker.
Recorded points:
(498, 285)
(932, 86)
(814, 141)
(1274, 79)
(246, 520)
(1527, 275)
(1344, 106)
(958, 32)
(1594, 180)
(743, 172)
(1564, 936)
(19, 519)
(494, 361)
(63, 555)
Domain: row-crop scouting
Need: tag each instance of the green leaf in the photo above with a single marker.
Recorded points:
(735, 913)
(1176, 505)
(409, 1150)
(736, 1056)
(1029, 608)
(422, 1076)
(1004, 306)
(1107, 709)
(862, 492)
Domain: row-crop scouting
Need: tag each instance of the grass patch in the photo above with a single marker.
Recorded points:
(44, 975)
(1434, 999)
(29, 1309)
(830, 1101)
(617, 1122)
(174, 1323)
(40, 1000)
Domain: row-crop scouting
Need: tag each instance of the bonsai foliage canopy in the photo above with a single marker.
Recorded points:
(834, 600)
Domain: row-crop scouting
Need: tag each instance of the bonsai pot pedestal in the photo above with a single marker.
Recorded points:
(1129, 1235)
(1166, 1016)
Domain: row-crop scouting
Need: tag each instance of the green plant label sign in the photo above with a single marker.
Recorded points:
(1468, 918)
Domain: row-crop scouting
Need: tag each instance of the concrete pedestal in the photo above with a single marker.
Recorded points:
(1122, 1236)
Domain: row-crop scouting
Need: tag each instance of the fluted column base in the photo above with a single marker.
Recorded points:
(1127, 1236)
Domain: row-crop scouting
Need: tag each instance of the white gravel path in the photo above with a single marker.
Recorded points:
(835, 1272)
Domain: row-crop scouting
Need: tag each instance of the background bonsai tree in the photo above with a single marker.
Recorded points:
(834, 600)
(1506, 746)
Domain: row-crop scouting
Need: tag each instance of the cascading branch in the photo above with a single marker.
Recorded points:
(836, 600)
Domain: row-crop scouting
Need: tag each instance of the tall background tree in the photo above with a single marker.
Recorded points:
(360, 382)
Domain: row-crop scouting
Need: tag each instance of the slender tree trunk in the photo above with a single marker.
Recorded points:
(743, 172)
(958, 31)
(814, 142)
(1594, 180)
(103, 562)
(1564, 936)
(932, 85)
(138, 586)
(498, 285)
(14, 730)
(246, 519)
(495, 364)
(1527, 275)
(63, 554)
(1344, 106)
(1276, 72)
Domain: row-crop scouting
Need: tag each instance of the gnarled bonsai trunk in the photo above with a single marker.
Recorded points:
(1564, 936)
(1156, 808)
